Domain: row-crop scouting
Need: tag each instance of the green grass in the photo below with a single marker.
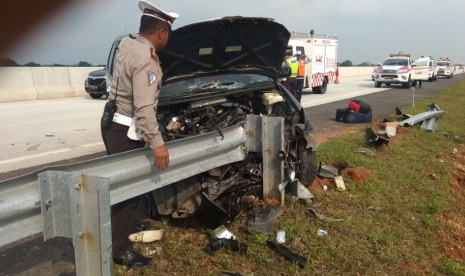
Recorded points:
(401, 239)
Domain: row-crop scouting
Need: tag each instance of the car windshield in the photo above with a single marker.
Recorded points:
(443, 63)
(395, 62)
(420, 62)
(212, 83)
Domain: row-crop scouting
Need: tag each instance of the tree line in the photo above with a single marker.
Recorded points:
(7, 62)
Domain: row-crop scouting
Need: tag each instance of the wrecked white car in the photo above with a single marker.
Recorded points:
(217, 74)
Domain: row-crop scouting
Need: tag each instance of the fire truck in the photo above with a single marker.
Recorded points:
(322, 50)
(445, 68)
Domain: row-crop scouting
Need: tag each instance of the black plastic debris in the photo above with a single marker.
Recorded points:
(233, 245)
(262, 221)
(373, 138)
(222, 273)
(327, 171)
(400, 113)
(288, 254)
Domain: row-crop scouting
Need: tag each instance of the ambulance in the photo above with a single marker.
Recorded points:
(445, 68)
(322, 50)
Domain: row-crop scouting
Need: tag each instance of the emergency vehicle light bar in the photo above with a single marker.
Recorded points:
(399, 55)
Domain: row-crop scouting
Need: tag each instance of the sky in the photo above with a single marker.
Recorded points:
(368, 30)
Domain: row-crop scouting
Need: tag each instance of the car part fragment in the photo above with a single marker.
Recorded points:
(327, 171)
(373, 138)
(288, 254)
(262, 221)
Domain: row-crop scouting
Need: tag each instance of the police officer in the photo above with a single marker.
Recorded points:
(303, 61)
(291, 82)
(137, 81)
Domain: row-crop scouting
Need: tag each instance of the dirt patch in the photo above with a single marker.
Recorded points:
(417, 270)
(323, 136)
(318, 184)
(271, 201)
(431, 174)
(358, 175)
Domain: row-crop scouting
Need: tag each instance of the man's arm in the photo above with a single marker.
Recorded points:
(146, 82)
(307, 60)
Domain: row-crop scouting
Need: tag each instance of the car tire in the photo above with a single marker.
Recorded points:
(431, 79)
(324, 86)
(308, 164)
(388, 84)
(377, 84)
(95, 96)
(316, 90)
(408, 84)
(448, 77)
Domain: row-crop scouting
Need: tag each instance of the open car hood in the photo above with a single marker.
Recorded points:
(252, 45)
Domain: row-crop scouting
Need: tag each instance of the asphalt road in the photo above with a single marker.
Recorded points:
(54, 132)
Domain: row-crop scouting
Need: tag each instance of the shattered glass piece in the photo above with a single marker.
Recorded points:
(223, 233)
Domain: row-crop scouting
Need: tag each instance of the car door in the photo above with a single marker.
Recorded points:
(420, 70)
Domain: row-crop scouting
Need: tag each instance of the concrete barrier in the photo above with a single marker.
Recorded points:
(52, 82)
(77, 77)
(17, 84)
(350, 72)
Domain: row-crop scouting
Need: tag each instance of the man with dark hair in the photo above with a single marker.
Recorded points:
(134, 92)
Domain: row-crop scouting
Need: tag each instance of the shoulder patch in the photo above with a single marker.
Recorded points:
(152, 78)
(154, 55)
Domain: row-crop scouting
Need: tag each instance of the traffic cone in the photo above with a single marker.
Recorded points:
(337, 76)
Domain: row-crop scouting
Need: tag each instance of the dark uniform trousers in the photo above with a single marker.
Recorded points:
(123, 214)
(300, 87)
(291, 85)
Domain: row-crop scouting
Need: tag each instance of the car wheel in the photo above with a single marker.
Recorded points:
(316, 90)
(308, 167)
(377, 84)
(324, 87)
(431, 79)
(388, 84)
(95, 96)
(448, 77)
(408, 84)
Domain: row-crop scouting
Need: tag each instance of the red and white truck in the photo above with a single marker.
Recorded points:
(322, 50)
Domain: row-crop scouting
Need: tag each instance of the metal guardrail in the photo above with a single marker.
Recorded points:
(74, 200)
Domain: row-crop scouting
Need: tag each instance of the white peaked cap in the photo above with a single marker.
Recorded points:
(150, 10)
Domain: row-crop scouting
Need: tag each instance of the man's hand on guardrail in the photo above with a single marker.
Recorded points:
(161, 158)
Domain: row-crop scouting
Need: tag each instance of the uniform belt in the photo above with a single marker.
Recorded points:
(121, 119)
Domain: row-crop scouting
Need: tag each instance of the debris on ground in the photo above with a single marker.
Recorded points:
(340, 185)
(262, 221)
(147, 236)
(233, 245)
(371, 208)
(33, 148)
(222, 273)
(373, 138)
(323, 217)
(280, 236)
(321, 233)
(429, 119)
(295, 191)
(50, 135)
(288, 254)
(222, 233)
(366, 152)
(327, 171)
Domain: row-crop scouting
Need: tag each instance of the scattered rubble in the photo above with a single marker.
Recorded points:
(262, 221)
(323, 217)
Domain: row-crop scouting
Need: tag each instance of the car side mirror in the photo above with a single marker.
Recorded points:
(414, 65)
(379, 64)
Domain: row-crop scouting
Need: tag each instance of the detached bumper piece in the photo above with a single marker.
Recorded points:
(262, 222)
(288, 254)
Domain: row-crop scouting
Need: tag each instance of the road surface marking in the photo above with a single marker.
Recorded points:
(32, 156)
(93, 145)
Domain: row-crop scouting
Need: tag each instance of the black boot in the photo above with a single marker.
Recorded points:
(141, 226)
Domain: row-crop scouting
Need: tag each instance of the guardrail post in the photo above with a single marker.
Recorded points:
(272, 144)
(91, 223)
